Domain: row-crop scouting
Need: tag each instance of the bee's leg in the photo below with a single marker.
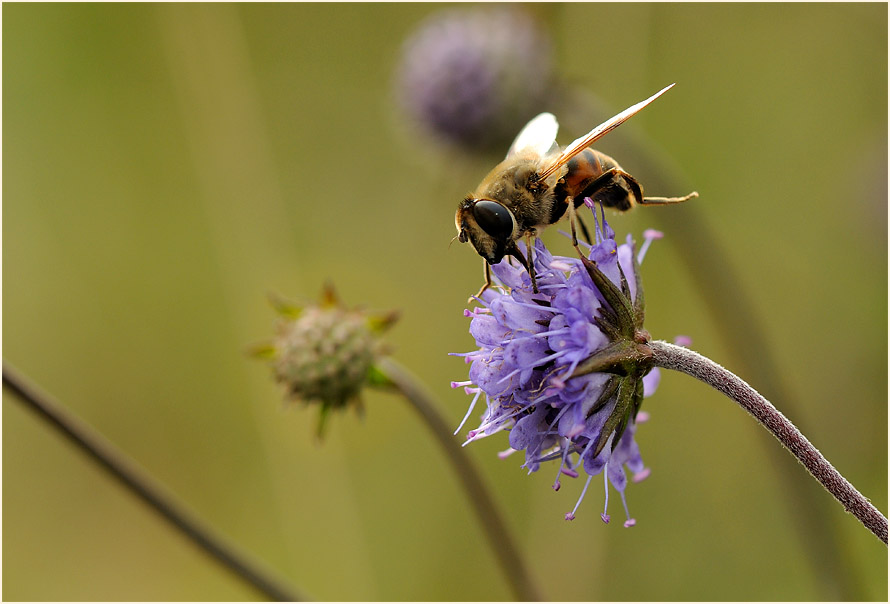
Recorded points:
(530, 266)
(638, 191)
(654, 201)
(614, 188)
(584, 229)
(617, 189)
(572, 218)
(487, 271)
(527, 264)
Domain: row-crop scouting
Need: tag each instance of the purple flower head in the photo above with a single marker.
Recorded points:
(473, 77)
(565, 369)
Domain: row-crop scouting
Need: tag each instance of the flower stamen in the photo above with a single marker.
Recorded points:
(470, 410)
(630, 521)
(562, 464)
(604, 515)
(571, 515)
(506, 453)
(649, 235)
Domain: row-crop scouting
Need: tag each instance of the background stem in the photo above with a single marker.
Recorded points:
(502, 544)
(682, 359)
(116, 464)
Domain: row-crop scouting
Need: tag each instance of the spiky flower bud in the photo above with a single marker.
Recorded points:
(325, 353)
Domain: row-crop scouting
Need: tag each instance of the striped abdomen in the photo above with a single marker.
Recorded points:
(598, 176)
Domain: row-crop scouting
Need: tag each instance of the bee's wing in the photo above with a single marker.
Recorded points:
(585, 141)
(539, 135)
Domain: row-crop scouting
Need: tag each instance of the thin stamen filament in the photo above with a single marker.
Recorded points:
(571, 515)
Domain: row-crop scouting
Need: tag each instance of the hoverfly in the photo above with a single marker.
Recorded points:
(537, 184)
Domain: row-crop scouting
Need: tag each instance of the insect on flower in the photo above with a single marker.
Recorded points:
(537, 184)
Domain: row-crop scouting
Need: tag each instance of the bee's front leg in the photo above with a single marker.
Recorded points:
(530, 265)
(486, 269)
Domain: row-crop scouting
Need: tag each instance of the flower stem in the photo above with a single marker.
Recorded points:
(682, 359)
(114, 462)
(504, 547)
(717, 276)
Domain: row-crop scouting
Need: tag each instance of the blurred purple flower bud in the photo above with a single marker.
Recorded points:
(473, 77)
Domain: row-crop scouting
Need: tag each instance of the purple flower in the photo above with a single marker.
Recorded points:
(562, 369)
(473, 77)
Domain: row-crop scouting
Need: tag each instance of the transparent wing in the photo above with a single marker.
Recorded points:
(539, 135)
(585, 141)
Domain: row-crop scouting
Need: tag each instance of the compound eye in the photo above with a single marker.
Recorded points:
(494, 218)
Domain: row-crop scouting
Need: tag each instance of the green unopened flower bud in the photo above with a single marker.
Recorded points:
(325, 353)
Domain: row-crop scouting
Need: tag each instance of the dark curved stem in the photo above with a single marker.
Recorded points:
(717, 278)
(502, 544)
(682, 359)
(116, 464)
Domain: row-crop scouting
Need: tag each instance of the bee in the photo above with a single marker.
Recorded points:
(537, 184)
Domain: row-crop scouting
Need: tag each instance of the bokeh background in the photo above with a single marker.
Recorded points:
(167, 166)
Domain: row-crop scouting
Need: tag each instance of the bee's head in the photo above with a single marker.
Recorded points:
(488, 225)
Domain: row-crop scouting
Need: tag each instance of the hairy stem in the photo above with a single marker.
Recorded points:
(682, 359)
(502, 544)
(717, 276)
(115, 463)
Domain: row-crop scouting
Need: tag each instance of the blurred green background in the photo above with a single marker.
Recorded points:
(166, 166)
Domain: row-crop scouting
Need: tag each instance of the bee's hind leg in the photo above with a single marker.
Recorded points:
(655, 201)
